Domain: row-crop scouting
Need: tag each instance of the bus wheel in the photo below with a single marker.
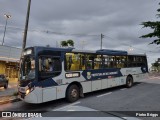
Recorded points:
(129, 82)
(72, 93)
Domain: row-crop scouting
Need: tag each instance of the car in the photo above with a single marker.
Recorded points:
(3, 81)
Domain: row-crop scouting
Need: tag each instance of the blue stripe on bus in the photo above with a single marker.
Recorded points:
(112, 52)
(45, 83)
(101, 73)
(49, 82)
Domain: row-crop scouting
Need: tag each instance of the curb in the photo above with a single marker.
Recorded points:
(10, 100)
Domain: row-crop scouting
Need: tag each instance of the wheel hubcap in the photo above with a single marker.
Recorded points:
(74, 93)
(129, 82)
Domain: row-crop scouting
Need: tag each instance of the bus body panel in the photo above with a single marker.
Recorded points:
(122, 80)
(35, 96)
(104, 83)
(87, 86)
(32, 98)
(57, 92)
(132, 71)
(61, 91)
(40, 95)
(96, 85)
(89, 79)
(49, 93)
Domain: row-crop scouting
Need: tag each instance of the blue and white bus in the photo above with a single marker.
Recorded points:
(48, 74)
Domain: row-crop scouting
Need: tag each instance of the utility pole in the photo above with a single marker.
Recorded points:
(102, 36)
(57, 44)
(83, 44)
(26, 26)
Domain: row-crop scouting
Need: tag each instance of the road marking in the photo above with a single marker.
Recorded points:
(67, 106)
(139, 83)
(104, 94)
(154, 77)
(123, 88)
(12, 86)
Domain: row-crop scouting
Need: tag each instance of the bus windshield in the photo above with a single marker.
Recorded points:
(27, 71)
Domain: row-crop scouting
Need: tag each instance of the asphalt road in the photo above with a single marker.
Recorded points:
(12, 88)
(143, 96)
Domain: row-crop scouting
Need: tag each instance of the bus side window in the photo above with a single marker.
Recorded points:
(112, 62)
(49, 67)
(105, 61)
(74, 65)
(82, 63)
(130, 61)
(98, 62)
(75, 61)
(68, 61)
(120, 61)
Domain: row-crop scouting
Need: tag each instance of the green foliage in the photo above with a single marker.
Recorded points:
(156, 66)
(156, 30)
(70, 42)
(67, 43)
(64, 44)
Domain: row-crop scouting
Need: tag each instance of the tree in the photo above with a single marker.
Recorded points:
(156, 66)
(70, 42)
(67, 43)
(64, 44)
(156, 29)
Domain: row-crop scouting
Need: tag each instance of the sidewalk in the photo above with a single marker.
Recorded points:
(9, 95)
(154, 74)
(8, 99)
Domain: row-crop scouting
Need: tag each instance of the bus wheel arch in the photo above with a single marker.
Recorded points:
(74, 91)
(129, 81)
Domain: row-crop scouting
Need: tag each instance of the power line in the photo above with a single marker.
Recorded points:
(132, 46)
(77, 35)
(52, 32)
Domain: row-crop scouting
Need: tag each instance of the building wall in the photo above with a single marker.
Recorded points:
(8, 53)
(2, 67)
(9, 61)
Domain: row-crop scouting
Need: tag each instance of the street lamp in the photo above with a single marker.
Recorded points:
(131, 49)
(7, 17)
(83, 44)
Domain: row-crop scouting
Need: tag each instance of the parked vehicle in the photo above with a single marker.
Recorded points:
(3, 81)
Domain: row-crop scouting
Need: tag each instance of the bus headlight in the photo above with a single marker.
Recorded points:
(30, 89)
(27, 91)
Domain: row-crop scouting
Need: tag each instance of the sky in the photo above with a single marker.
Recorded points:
(83, 21)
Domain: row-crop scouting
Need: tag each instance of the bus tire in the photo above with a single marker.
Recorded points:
(129, 82)
(72, 94)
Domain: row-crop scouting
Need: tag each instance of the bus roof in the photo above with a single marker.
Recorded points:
(102, 51)
(140, 54)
